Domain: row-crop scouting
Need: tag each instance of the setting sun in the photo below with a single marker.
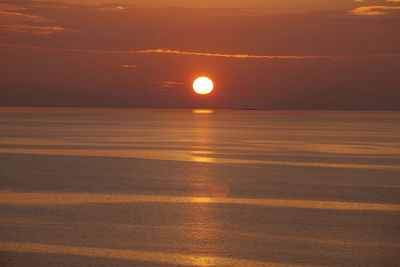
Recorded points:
(203, 86)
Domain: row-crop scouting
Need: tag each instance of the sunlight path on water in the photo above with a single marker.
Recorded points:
(76, 198)
(178, 155)
(147, 256)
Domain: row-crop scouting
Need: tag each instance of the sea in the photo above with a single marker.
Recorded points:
(183, 187)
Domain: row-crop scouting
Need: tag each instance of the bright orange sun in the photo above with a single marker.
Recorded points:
(203, 86)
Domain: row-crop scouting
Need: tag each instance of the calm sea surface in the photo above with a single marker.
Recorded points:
(113, 187)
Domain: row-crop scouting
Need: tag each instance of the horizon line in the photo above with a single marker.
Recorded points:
(2, 107)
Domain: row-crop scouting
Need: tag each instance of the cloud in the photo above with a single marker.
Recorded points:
(237, 56)
(20, 19)
(167, 87)
(392, 1)
(11, 10)
(127, 66)
(169, 84)
(374, 10)
(38, 30)
(204, 54)
(114, 8)
(13, 13)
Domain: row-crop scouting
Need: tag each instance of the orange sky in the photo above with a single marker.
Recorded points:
(341, 54)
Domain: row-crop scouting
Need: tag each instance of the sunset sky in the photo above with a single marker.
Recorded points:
(286, 54)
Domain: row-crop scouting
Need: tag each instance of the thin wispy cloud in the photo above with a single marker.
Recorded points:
(374, 10)
(393, 1)
(14, 10)
(166, 87)
(127, 66)
(207, 54)
(169, 84)
(33, 29)
(111, 8)
(13, 13)
(203, 54)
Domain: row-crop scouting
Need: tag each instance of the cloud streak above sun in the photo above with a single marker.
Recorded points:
(249, 56)
(204, 54)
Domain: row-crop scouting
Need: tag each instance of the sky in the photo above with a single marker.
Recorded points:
(263, 54)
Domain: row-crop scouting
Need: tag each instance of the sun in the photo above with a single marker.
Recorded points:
(203, 85)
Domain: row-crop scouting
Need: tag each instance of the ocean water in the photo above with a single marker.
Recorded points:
(148, 187)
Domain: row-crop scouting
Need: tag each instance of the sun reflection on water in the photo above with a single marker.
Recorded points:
(203, 226)
(201, 159)
(202, 111)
